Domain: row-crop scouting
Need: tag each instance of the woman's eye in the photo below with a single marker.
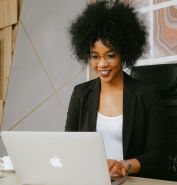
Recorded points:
(111, 56)
(94, 57)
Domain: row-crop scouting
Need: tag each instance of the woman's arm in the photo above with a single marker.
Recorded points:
(147, 164)
(154, 138)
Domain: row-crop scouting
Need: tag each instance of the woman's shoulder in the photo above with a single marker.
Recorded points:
(143, 89)
(140, 85)
(147, 87)
(148, 93)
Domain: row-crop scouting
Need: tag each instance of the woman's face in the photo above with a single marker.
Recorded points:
(105, 62)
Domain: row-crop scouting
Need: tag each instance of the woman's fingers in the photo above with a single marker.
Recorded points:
(116, 168)
(111, 163)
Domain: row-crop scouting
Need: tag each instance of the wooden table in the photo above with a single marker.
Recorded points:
(11, 179)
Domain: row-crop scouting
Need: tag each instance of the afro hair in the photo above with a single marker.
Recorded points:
(117, 25)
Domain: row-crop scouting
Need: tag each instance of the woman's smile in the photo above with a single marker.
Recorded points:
(105, 72)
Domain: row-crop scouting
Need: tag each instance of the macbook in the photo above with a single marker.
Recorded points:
(58, 158)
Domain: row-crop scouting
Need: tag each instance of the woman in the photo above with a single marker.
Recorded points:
(125, 111)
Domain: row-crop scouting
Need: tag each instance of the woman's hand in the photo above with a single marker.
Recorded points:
(121, 168)
(117, 168)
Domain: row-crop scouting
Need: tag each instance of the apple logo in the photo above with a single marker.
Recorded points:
(56, 162)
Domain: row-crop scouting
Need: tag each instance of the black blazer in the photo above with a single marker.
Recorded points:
(142, 119)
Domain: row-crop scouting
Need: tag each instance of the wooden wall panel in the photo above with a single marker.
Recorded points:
(1, 71)
(6, 55)
(19, 3)
(8, 12)
(1, 110)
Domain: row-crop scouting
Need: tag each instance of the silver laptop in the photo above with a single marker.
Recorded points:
(58, 158)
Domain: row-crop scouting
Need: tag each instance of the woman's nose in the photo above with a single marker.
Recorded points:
(102, 62)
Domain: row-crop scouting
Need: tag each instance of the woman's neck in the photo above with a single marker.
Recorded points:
(114, 84)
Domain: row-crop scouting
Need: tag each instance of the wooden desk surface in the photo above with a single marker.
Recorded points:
(11, 179)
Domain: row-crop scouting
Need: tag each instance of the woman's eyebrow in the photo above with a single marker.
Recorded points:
(109, 51)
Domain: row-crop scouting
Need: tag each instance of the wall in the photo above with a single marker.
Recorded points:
(43, 71)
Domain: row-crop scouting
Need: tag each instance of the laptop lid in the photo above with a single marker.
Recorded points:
(58, 158)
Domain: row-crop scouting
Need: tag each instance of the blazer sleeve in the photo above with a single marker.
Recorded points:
(154, 138)
(72, 120)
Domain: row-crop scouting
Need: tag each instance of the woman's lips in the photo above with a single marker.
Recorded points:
(104, 72)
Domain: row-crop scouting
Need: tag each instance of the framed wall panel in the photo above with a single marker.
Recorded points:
(165, 32)
(159, 1)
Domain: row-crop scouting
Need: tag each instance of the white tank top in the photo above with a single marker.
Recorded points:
(111, 130)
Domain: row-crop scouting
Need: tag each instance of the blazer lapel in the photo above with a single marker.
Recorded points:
(93, 105)
(129, 101)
